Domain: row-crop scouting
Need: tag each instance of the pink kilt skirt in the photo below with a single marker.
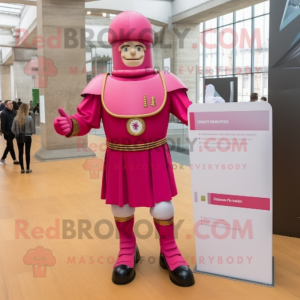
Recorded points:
(139, 178)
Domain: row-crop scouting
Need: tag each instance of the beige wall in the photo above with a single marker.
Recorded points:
(5, 83)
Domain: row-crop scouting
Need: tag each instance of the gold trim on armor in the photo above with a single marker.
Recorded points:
(122, 220)
(164, 222)
(75, 128)
(135, 133)
(134, 116)
(136, 147)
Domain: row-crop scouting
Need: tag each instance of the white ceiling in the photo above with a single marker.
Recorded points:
(11, 9)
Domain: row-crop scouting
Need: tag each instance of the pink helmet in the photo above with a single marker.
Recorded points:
(131, 26)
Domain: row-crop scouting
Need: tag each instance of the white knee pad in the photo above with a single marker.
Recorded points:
(163, 210)
(122, 212)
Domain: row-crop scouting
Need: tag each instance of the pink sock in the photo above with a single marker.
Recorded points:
(168, 246)
(127, 241)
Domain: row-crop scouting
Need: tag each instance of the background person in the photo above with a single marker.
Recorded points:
(263, 99)
(36, 109)
(23, 123)
(7, 116)
(15, 105)
(254, 97)
(2, 106)
(31, 105)
(19, 102)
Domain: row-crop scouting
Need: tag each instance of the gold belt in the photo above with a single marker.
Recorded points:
(136, 147)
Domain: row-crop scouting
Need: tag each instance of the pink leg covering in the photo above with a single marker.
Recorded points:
(127, 241)
(168, 246)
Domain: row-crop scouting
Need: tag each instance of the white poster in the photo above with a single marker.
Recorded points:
(42, 109)
(231, 167)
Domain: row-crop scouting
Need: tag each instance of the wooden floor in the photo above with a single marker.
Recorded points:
(63, 190)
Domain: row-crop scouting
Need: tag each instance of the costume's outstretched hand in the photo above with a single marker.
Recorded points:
(62, 124)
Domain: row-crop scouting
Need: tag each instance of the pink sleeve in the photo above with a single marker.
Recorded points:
(88, 114)
(179, 105)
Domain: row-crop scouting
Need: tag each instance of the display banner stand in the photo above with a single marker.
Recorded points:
(231, 168)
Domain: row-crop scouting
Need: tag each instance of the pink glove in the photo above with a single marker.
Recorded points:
(63, 124)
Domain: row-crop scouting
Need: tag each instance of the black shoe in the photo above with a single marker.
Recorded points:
(123, 274)
(181, 276)
(28, 171)
(16, 162)
(22, 171)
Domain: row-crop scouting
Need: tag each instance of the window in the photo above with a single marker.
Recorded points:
(211, 24)
(261, 84)
(244, 87)
(225, 40)
(243, 47)
(237, 44)
(266, 78)
(265, 84)
(244, 14)
(261, 44)
(201, 27)
(245, 81)
(261, 8)
(226, 19)
(210, 45)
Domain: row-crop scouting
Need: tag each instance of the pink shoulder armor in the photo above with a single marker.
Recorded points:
(173, 82)
(95, 86)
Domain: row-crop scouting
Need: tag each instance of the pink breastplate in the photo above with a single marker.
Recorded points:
(133, 99)
(135, 112)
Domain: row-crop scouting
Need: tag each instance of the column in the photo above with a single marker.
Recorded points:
(61, 47)
(186, 55)
(23, 83)
(157, 50)
(5, 83)
(166, 43)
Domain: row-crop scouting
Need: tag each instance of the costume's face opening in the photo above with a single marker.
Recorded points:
(132, 53)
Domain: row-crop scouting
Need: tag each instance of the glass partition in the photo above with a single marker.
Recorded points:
(241, 50)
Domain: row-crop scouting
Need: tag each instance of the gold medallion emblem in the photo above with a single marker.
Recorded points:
(136, 126)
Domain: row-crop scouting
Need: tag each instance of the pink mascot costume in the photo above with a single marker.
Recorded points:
(134, 103)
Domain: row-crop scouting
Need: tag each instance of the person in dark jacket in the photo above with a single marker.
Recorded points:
(37, 108)
(7, 116)
(2, 106)
(15, 105)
